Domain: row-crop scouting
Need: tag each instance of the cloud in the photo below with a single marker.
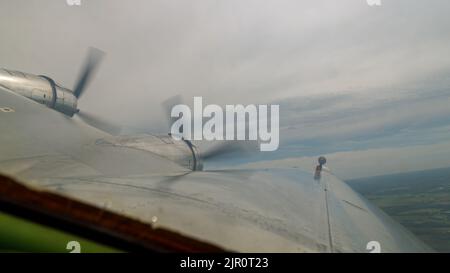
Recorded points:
(348, 76)
(345, 117)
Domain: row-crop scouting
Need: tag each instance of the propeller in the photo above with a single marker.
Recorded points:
(224, 148)
(167, 106)
(92, 62)
(218, 150)
(93, 59)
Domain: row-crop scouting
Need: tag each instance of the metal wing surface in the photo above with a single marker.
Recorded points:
(271, 210)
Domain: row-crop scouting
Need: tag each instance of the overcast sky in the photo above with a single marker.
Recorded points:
(353, 81)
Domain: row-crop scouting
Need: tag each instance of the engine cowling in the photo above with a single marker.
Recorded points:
(41, 89)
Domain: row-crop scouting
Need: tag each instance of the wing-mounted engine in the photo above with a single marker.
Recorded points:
(41, 89)
(182, 152)
(46, 91)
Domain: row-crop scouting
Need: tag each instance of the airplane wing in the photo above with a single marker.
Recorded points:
(270, 210)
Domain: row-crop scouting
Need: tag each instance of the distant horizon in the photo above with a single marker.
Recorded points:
(399, 174)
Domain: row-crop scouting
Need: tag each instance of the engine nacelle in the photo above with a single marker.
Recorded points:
(182, 152)
(41, 89)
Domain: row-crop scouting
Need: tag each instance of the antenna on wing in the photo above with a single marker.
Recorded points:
(318, 173)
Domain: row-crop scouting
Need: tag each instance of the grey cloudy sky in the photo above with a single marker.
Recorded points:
(349, 78)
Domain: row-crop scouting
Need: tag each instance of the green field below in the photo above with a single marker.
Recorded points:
(420, 201)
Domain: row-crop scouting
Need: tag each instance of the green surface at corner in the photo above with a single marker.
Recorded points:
(21, 235)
